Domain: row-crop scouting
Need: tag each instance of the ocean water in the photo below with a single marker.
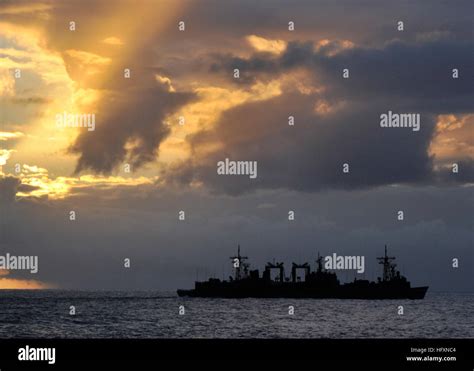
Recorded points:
(45, 314)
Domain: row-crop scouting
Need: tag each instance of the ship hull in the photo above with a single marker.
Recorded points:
(374, 293)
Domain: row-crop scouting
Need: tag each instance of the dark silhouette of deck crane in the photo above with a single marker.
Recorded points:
(388, 267)
(270, 266)
(238, 262)
(295, 266)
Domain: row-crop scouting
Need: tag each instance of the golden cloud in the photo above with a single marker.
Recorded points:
(165, 81)
(206, 111)
(333, 47)
(41, 185)
(15, 9)
(261, 44)
(454, 138)
(112, 41)
(5, 135)
(5, 154)
(86, 63)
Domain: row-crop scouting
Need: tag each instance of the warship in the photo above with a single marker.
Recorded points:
(317, 284)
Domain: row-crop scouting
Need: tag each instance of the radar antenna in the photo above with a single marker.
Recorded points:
(388, 267)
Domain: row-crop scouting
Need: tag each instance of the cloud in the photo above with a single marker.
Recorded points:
(310, 155)
(400, 71)
(260, 44)
(112, 41)
(454, 138)
(337, 121)
(34, 169)
(5, 135)
(8, 188)
(34, 182)
(129, 128)
(464, 174)
(87, 58)
(129, 112)
(5, 154)
(19, 8)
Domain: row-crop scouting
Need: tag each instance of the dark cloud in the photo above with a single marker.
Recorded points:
(370, 22)
(310, 155)
(133, 118)
(401, 77)
(247, 67)
(10, 185)
(26, 188)
(8, 188)
(415, 75)
(465, 172)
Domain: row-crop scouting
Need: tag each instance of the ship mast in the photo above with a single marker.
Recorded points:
(238, 263)
(319, 263)
(387, 266)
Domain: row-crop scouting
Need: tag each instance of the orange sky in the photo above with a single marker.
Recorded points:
(7, 283)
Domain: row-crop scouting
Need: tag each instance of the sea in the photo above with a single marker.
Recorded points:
(103, 314)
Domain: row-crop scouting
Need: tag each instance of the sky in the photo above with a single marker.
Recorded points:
(160, 131)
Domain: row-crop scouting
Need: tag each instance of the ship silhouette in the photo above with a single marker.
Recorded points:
(318, 284)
